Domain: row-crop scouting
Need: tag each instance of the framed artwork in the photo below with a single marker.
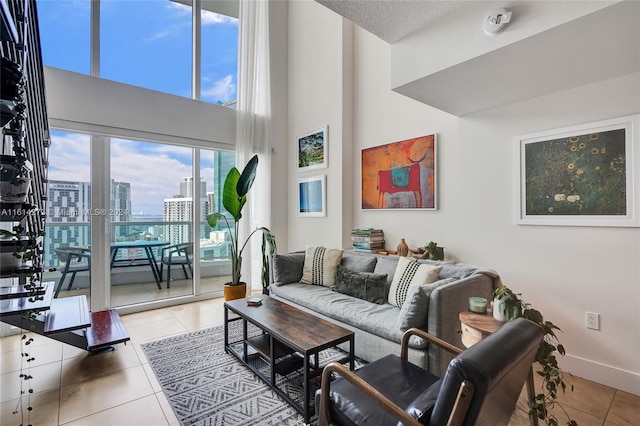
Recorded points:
(579, 176)
(313, 149)
(400, 175)
(312, 196)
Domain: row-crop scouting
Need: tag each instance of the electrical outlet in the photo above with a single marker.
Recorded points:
(593, 320)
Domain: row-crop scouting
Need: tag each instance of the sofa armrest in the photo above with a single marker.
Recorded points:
(445, 304)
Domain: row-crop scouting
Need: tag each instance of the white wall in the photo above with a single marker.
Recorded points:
(317, 68)
(563, 271)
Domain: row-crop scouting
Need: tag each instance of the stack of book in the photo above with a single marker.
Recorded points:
(367, 240)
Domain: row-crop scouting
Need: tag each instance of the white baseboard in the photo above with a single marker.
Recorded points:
(627, 381)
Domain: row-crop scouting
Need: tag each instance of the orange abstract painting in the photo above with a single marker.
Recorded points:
(400, 175)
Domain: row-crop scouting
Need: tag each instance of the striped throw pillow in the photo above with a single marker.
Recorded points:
(320, 266)
(410, 273)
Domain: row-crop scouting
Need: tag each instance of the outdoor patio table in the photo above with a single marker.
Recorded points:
(149, 258)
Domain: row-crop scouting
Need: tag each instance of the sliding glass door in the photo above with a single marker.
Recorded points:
(149, 219)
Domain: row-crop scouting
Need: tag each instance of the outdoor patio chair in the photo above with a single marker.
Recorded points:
(480, 387)
(75, 259)
(178, 254)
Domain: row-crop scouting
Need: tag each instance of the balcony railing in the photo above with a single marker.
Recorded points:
(214, 246)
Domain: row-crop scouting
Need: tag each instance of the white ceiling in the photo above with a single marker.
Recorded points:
(585, 42)
(392, 20)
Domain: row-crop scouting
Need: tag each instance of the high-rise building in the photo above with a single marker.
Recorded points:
(69, 213)
(186, 188)
(180, 209)
(212, 202)
(120, 201)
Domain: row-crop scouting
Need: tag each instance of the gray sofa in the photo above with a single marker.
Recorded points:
(379, 327)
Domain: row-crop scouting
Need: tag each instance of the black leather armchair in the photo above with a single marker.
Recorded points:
(480, 387)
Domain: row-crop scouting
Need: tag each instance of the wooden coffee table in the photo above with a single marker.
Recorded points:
(287, 333)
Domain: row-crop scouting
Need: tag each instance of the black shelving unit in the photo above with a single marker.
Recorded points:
(25, 131)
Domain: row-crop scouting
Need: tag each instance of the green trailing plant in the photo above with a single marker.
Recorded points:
(234, 197)
(27, 250)
(552, 376)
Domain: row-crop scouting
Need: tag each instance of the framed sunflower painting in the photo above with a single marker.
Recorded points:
(580, 176)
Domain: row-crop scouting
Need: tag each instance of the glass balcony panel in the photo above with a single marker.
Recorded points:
(68, 214)
(215, 244)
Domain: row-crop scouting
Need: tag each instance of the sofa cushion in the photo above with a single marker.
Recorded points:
(358, 262)
(376, 319)
(410, 273)
(415, 308)
(363, 285)
(287, 267)
(320, 266)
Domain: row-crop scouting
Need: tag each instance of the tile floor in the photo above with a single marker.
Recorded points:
(119, 389)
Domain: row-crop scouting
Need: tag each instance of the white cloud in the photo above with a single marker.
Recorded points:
(69, 157)
(222, 90)
(212, 18)
(158, 35)
(154, 170)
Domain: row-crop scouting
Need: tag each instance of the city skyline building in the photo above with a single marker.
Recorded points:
(69, 213)
(180, 209)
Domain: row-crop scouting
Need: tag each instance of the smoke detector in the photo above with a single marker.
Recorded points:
(496, 21)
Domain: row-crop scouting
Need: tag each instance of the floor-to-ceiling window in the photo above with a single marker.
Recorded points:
(67, 230)
(147, 44)
(154, 205)
(150, 178)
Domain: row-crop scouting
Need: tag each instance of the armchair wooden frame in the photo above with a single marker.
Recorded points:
(465, 393)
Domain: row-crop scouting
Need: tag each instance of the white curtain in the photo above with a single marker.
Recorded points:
(253, 126)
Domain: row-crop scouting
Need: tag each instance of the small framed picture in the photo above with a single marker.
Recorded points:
(313, 149)
(312, 196)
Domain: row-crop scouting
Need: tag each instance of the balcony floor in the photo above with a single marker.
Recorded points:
(131, 294)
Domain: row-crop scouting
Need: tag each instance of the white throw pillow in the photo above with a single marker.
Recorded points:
(320, 266)
(410, 273)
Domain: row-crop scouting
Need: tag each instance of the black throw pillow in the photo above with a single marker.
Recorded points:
(363, 285)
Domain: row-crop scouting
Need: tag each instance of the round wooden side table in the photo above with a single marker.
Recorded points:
(476, 327)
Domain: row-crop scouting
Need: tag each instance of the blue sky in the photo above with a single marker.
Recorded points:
(146, 43)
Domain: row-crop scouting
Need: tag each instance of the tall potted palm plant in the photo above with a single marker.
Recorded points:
(234, 197)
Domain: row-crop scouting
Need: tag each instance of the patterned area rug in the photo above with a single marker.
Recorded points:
(206, 386)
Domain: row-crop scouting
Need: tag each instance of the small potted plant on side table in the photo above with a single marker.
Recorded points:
(234, 197)
(513, 307)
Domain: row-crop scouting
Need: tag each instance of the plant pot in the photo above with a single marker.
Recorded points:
(498, 310)
(265, 291)
(438, 254)
(14, 192)
(232, 292)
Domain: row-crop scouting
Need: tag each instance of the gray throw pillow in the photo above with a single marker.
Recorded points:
(287, 267)
(358, 262)
(386, 265)
(363, 285)
(415, 308)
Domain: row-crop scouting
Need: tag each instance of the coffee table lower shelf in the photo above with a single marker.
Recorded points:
(293, 374)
